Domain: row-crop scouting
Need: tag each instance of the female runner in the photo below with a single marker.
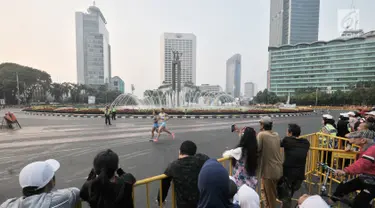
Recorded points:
(163, 118)
(155, 126)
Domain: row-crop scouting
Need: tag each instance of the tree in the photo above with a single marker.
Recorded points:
(266, 97)
(56, 91)
(32, 83)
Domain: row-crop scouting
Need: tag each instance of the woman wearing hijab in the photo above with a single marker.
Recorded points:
(244, 159)
(214, 191)
(248, 197)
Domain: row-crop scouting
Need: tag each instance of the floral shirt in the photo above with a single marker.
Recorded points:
(241, 177)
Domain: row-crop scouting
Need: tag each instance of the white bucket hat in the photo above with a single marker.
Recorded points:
(38, 174)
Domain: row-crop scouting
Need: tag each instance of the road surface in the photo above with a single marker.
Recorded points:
(75, 141)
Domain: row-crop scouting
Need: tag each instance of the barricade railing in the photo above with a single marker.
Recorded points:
(323, 148)
(148, 181)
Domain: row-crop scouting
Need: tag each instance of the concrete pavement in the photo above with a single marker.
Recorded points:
(75, 141)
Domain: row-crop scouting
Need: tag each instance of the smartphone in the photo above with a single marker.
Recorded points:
(233, 127)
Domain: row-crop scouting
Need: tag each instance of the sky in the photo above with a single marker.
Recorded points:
(41, 34)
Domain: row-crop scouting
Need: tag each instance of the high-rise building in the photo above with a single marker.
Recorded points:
(250, 90)
(233, 82)
(92, 47)
(210, 88)
(330, 66)
(184, 43)
(294, 21)
(118, 84)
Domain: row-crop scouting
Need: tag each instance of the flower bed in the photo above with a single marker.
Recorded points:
(177, 111)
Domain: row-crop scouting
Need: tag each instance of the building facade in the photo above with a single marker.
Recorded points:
(210, 88)
(294, 21)
(185, 43)
(118, 84)
(331, 66)
(93, 52)
(250, 90)
(233, 78)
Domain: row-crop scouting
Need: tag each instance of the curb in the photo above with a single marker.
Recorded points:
(176, 116)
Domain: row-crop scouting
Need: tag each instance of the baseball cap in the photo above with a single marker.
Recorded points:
(266, 120)
(371, 113)
(38, 174)
(327, 116)
(365, 134)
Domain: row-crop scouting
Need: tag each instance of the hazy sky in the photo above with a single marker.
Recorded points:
(41, 34)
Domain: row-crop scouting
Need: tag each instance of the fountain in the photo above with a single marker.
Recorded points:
(167, 98)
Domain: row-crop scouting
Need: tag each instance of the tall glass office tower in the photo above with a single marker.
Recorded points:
(294, 21)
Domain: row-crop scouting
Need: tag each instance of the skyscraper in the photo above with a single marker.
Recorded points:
(294, 21)
(233, 82)
(184, 43)
(250, 90)
(92, 48)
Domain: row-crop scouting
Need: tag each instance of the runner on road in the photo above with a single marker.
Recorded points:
(155, 126)
(163, 118)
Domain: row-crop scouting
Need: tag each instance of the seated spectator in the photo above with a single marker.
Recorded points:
(315, 201)
(248, 197)
(244, 159)
(37, 181)
(184, 172)
(213, 185)
(105, 189)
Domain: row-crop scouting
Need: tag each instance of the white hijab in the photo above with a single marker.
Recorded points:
(248, 197)
(314, 202)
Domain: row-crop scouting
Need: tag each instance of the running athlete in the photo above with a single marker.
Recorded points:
(163, 118)
(155, 126)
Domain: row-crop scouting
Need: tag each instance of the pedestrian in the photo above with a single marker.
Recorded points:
(270, 155)
(107, 114)
(295, 151)
(113, 113)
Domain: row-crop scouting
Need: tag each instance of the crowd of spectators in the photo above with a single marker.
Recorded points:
(200, 182)
(359, 130)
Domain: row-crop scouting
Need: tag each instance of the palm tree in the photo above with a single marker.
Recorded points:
(56, 91)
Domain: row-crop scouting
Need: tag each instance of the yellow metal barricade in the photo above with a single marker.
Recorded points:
(336, 157)
(146, 182)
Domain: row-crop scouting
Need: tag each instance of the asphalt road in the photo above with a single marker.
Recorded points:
(75, 141)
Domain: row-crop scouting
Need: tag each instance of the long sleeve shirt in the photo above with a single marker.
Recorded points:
(365, 163)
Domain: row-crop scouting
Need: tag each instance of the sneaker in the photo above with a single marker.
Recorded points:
(172, 135)
(155, 140)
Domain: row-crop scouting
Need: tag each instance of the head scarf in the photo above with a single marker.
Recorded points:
(213, 185)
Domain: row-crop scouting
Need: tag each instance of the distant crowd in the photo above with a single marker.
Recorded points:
(201, 182)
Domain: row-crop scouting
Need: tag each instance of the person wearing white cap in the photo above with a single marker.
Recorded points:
(37, 181)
